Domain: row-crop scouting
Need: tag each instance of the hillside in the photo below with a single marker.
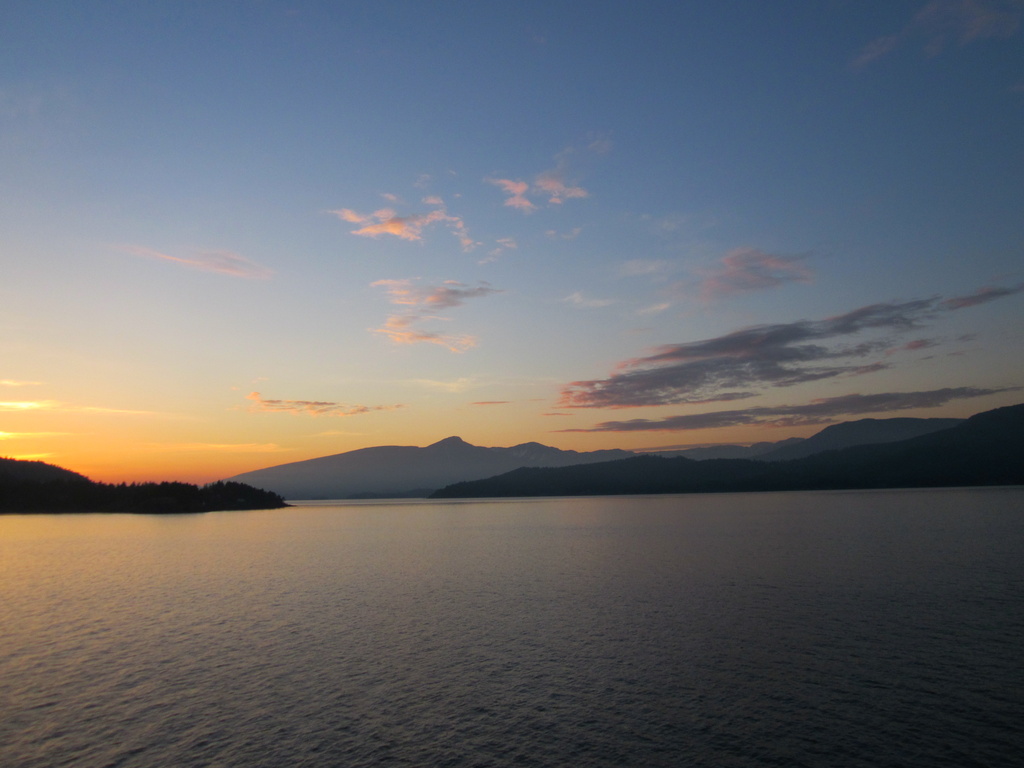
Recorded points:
(860, 432)
(19, 470)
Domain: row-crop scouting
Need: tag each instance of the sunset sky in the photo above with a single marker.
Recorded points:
(239, 234)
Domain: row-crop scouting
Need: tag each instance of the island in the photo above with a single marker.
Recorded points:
(34, 486)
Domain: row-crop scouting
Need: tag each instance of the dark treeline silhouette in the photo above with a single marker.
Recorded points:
(32, 486)
(987, 449)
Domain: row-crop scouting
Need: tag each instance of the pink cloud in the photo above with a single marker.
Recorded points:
(398, 329)
(551, 184)
(516, 191)
(386, 221)
(221, 262)
(747, 269)
(982, 296)
(912, 346)
(311, 407)
(422, 302)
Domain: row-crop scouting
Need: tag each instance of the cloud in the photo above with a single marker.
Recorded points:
(491, 402)
(553, 183)
(577, 299)
(572, 234)
(654, 309)
(743, 270)
(981, 296)
(503, 244)
(28, 405)
(778, 355)
(398, 328)
(642, 267)
(876, 49)
(450, 293)
(457, 385)
(941, 22)
(913, 346)
(386, 221)
(19, 383)
(30, 435)
(54, 405)
(221, 262)
(819, 411)
(422, 302)
(311, 407)
(223, 447)
(516, 191)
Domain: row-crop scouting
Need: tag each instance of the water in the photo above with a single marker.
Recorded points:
(803, 629)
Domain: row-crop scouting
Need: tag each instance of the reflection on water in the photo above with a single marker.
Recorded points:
(866, 628)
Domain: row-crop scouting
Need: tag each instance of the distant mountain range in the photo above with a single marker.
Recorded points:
(410, 471)
(394, 471)
(987, 449)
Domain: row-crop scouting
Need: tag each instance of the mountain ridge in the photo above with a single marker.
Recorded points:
(395, 471)
(410, 471)
(986, 449)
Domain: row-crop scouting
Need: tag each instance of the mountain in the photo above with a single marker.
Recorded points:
(986, 449)
(860, 432)
(392, 471)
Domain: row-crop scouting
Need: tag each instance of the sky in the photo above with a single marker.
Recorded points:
(240, 234)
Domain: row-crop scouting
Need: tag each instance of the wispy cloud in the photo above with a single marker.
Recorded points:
(222, 447)
(312, 407)
(19, 383)
(28, 405)
(982, 296)
(819, 411)
(577, 299)
(503, 244)
(555, 183)
(644, 267)
(743, 270)
(780, 355)
(386, 221)
(422, 302)
(221, 262)
(56, 405)
(399, 329)
(943, 22)
(30, 435)
(450, 293)
(912, 346)
(571, 234)
(456, 385)
(552, 183)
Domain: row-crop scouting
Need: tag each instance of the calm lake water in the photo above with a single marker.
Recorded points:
(791, 629)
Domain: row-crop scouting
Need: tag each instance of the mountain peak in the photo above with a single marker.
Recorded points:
(449, 442)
